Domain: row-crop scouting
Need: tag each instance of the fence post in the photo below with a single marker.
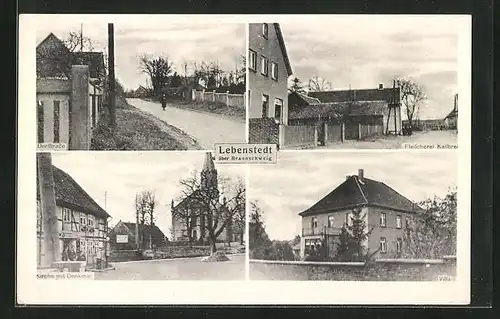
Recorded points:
(202, 95)
(315, 136)
(193, 94)
(359, 131)
(326, 133)
(80, 113)
(213, 96)
(227, 98)
(281, 136)
(342, 132)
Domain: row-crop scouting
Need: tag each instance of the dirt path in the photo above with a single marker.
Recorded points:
(207, 129)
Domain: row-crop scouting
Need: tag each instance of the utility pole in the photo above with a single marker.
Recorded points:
(111, 79)
(136, 223)
(81, 37)
(50, 232)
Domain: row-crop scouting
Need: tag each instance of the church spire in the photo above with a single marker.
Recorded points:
(208, 165)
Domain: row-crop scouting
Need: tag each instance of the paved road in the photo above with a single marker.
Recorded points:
(205, 128)
(434, 137)
(177, 269)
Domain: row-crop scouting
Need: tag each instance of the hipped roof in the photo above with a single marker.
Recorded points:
(355, 193)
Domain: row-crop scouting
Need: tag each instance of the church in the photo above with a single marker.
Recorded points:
(199, 234)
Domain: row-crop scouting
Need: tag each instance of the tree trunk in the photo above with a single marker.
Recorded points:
(212, 244)
(241, 237)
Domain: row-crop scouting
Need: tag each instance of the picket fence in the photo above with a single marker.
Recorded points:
(234, 100)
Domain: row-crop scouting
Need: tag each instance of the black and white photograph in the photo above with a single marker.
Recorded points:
(355, 217)
(140, 216)
(139, 86)
(369, 82)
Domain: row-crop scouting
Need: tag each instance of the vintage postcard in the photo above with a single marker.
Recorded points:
(223, 159)
(354, 83)
(176, 85)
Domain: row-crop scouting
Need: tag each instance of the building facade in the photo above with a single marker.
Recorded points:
(123, 236)
(387, 214)
(189, 205)
(81, 223)
(268, 72)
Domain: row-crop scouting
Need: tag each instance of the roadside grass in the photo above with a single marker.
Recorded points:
(134, 130)
(208, 107)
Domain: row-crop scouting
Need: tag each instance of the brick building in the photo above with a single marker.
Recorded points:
(268, 72)
(385, 210)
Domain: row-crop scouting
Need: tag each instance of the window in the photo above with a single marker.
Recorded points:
(383, 245)
(274, 71)
(83, 219)
(331, 221)
(407, 222)
(383, 219)
(399, 245)
(66, 215)
(399, 223)
(265, 105)
(278, 110)
(265, 30)
(264, 65)
(252, 60)
(348, 219)
(315, 222)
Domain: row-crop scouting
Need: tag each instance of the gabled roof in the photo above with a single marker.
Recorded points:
(71, 195)
(386, 94)
(156, 232)
(359, 108)
(281, 41)
(354, 193)
(304, 97)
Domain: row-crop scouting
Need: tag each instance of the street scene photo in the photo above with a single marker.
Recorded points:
(382, 82)
(139, 86)
(356, 217)
(140, 216)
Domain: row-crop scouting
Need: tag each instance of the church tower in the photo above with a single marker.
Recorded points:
(209, 175)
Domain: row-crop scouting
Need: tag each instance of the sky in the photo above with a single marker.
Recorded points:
(112, 179)
(300, 179)
(363, 52)
(222, 42)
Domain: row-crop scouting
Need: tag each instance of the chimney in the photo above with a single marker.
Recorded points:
(361, 174)
(380, 86)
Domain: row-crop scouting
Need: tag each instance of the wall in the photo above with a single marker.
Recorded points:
(333, 133)
(235, 100)
(388, 270)
(370, 130)
(297, 136)
(390, 232)
(259, 84)
(92, 244)
(263, 131)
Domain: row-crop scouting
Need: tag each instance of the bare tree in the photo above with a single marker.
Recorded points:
(145, 208)
(240, 221)
(217, 205)
(157, 69)
(296, 86)
(187, 212)
(412, 96)
(317, 84)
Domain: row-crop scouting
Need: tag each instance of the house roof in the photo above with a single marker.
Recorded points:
(359, 108)
(95, 60)
(355, 193)
(386, 94)
(304, 97)
(281, 41)
(155, 231)
(71, 195)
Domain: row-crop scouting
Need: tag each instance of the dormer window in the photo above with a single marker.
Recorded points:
(265, 30)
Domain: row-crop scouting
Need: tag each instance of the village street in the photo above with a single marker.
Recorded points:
(207, 129)
(396, 142)
(177, 269)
